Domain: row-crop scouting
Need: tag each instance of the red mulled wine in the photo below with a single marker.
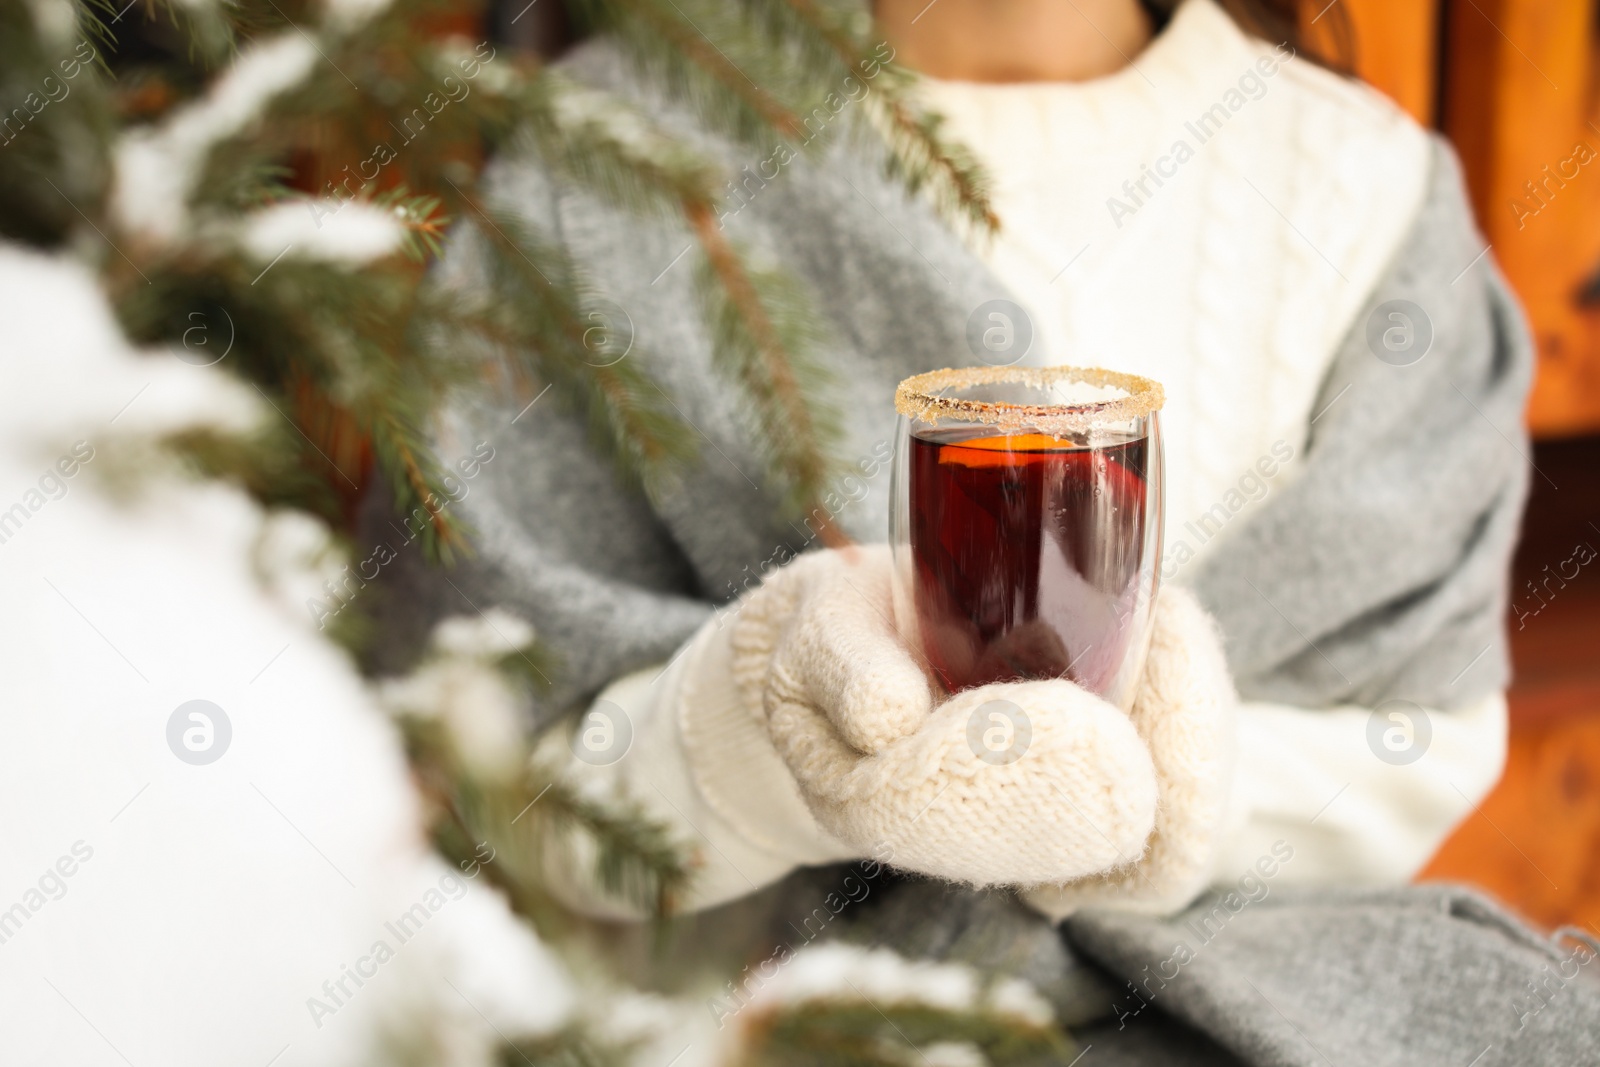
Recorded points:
(1027, 552)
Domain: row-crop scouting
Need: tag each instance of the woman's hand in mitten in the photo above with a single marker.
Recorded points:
(1184, 713)
(1019, 783)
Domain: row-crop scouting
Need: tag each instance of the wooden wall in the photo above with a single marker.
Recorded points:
(1512, 83)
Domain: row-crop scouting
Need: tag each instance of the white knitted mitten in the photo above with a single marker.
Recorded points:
(1184, 711)
(1020, 784)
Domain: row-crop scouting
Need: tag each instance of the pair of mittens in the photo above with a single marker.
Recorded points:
(1036, 784)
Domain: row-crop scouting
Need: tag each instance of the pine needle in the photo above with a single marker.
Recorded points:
(750, 340)
(852, 1031)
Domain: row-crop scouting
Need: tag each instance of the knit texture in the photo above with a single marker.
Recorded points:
(1072, 787)
(1275, 977)
(1376, 573)
(1184, 712)
(722, 738)
(1230, 280)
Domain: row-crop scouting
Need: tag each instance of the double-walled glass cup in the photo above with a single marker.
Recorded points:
(1027, 524)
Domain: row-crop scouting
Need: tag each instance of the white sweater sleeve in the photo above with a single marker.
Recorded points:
(1315, 780)
(699, 763)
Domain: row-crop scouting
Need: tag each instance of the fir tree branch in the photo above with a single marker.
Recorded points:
(694, 54)
(543, 332)
(54, 163)
(575, 1045)
(703, 52)
(533, 815)
(415, 480)
(604, 144)
(747, 335)
(211, 29)
(852, 1031)
(265, 463)
(636, 860)
(918, 154)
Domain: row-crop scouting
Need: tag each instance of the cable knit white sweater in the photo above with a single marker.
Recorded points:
(1212, 216)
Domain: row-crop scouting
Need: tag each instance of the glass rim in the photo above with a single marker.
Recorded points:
(921, 398)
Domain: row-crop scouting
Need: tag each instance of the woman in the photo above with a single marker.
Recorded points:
(1282, 248)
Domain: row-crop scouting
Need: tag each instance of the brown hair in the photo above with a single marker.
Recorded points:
(1318, 30)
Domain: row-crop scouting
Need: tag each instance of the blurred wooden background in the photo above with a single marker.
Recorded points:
(1513, 84)
(1535, 841)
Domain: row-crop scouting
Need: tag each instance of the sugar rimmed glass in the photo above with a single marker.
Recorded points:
(1027, 524)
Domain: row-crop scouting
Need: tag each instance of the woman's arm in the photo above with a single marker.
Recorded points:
(702, 766)
(1381, 571)
(1364, 606)
(806, 732)
(1363, 796)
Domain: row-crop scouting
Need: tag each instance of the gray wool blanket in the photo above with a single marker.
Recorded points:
(1379, 573)
(1256, 974)
(1426, 975)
